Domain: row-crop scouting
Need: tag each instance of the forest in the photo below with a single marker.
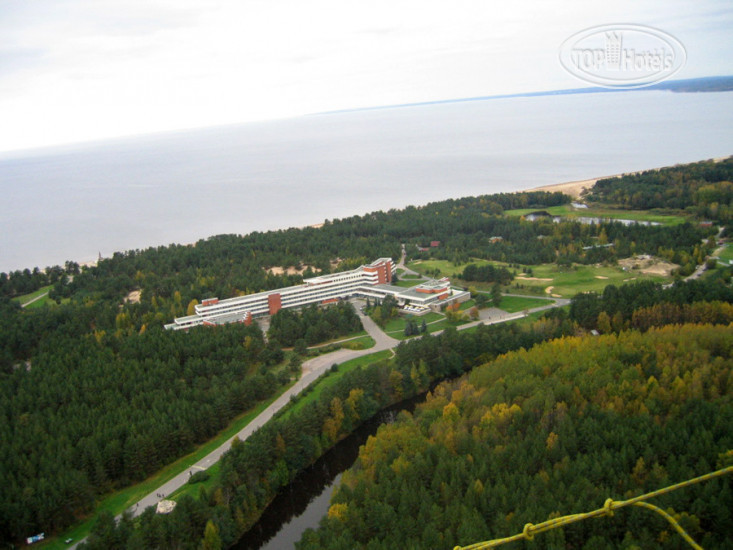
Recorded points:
(254, 470)
(704, 188)
(94, 394)
(313, 324)
(547, 432)
(92, 414)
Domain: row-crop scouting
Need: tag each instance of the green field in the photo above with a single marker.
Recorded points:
(567, 282)
(396, 327)
(726, 255)
(23, 300)
(363, 342)
(446, 268)
(513, 304)
(568, 211)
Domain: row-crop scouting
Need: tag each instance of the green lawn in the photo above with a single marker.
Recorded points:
(363, 342)
(568, 211)
(22, 300)
(726, 255)
(118, 502)
(358, 334)
(513, 304)
(567, 282)
(447, 268)
(396, 327)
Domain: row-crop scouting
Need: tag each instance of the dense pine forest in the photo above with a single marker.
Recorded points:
(704, 189)
(548, 432)
(252, 472)
(95, 395)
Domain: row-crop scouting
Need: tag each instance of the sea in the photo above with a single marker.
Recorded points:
(80, 202)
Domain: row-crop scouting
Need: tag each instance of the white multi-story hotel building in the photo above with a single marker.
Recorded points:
(366, 281)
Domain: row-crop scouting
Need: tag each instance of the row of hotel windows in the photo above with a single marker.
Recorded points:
(236, 303)
(261, 302)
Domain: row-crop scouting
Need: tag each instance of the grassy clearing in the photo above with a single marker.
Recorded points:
(396, 327)
(192, 490)
(513, 304)
(726, 255)
(118, 502)
(25, 298)
(364, 342)
(568, 211)
(358, 334)
(567, 282)
(446, 268)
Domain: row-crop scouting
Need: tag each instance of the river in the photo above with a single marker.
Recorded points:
(305, 501)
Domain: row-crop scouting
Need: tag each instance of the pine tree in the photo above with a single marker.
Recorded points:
(211, 541)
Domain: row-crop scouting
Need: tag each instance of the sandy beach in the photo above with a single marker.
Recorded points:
(572, 188)
(575, 188)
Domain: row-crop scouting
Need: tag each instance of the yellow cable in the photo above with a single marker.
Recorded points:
(671, 520)
(609, 506)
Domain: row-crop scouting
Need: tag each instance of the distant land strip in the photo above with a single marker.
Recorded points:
(687, 85)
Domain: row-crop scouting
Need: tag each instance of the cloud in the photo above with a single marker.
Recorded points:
(82, 69)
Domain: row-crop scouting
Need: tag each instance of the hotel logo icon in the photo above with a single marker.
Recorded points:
(613, 50)
(622, 56)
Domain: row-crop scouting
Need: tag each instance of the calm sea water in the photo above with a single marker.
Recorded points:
(77, 202)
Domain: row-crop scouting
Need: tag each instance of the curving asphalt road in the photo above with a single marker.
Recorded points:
(312, 369)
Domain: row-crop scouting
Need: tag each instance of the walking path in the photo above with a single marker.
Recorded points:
(29, 302)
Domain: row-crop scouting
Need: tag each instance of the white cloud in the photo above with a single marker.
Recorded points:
(84, 69)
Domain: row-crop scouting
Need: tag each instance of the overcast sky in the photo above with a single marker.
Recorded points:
(76, 70)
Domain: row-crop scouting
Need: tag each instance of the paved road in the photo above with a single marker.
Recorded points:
(312, 369)
(407, 270)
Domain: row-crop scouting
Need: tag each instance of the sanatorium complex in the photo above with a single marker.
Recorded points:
(366, 281)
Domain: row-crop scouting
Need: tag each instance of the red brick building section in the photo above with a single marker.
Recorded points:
(274, 303)
(383, 271)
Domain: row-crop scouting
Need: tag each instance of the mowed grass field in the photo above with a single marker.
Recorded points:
(446, 268)
(27, 298)
(726, 255)
(568, 211)
(567, 282)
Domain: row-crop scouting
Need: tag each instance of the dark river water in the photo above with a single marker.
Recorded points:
(305, 501)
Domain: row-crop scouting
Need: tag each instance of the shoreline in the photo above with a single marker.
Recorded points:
(575, 188)
(572, 188)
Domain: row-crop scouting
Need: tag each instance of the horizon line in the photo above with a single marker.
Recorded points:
(668, 85)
